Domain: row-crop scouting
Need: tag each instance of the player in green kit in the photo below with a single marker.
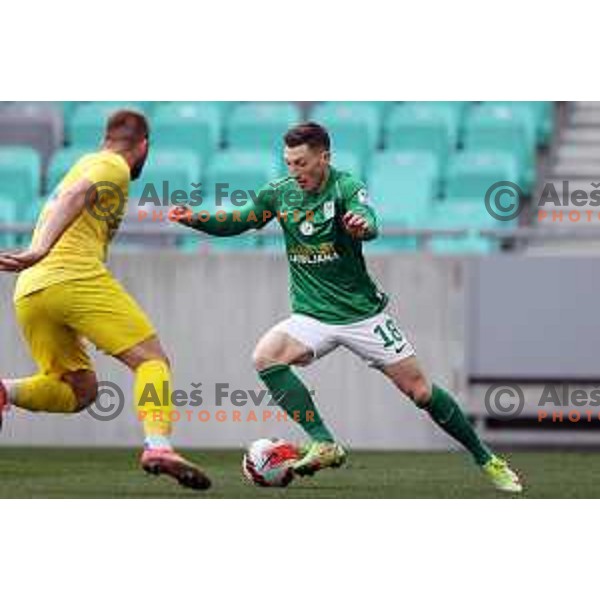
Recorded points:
(326, 215)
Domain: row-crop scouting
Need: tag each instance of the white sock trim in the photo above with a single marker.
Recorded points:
(157, 442)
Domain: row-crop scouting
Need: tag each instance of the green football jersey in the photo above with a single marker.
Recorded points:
(328, 276)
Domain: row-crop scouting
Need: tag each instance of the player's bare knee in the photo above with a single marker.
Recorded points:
(259, 361)
(263, 361)
(144, 352)
(419, 391)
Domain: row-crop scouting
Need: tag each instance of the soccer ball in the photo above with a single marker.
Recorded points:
(268, 462)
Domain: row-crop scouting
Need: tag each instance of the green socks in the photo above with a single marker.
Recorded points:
(291, 394)
(446, 412)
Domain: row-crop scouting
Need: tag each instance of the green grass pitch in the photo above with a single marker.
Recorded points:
(113, 473)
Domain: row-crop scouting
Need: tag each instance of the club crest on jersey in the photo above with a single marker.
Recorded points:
(363, 196)
(329, 209)
(307, 228)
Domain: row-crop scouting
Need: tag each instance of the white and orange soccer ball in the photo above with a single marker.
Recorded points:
(268, 462)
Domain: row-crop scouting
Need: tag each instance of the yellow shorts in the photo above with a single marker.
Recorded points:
(55, 320)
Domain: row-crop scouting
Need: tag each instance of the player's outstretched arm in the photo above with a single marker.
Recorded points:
(61, 213)
(222, 223)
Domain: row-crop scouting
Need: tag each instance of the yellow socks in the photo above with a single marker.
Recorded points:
(152, 393)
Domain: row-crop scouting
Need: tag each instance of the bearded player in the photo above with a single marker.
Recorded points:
(334, 300)
(65, 293)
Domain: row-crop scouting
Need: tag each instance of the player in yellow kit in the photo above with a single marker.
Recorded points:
(65, 293)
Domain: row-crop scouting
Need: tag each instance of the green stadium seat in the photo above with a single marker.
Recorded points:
(408, 165)
(455, 110)
(382, 107)
(542, 114)
(86, 127)
(353, 126)
(60, 163)
(463, 215)
(68, 109)
(261, 125)
(224, 107)
(8, 215)
(346, 160)
(403, 186)
(471, 174)
(177, 169)
(239, 170)
(30, 214)
(504, 129)
(20, 175)
(194, 126)
(422, 127)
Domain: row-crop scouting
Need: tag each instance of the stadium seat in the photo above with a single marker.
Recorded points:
(354, 126)
(19, 175)
(346, 160)
(193, 126)
(382, 107)
(471, 174)
(86, 127)
(34, 126)
(261, 125)
(29, 215)
(239, 170)
(408, 165)
(455, 110)
(32, 210)
(60, 163)
(68, 110)
(8, 215)
(504, 129)
(542, 114)
(463, 215)
(175, 169)
(422, 127)
(235, 171)
(403, 186)
(225, 107)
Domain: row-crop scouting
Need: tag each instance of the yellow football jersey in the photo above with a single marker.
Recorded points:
(81, 251)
